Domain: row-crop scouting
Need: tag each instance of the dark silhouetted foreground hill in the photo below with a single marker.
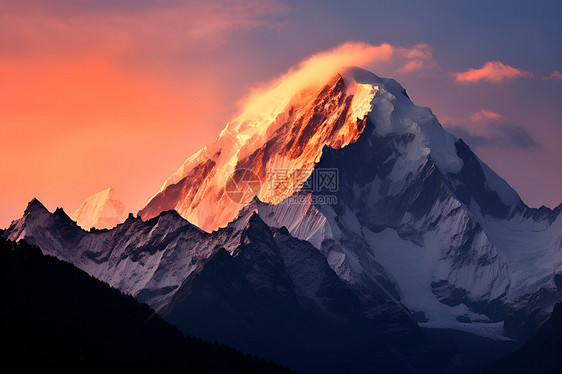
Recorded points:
(541, 354)
(54, 316)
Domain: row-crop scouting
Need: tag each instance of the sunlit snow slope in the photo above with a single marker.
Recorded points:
(287, 134)
(102, 210)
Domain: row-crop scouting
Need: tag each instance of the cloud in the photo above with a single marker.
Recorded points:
(486, 114)
(554, 75)
(473, 140)
(500, 136)
(215, 21)
(516, 136)
(487, 129)
(491, 72)
(313, 72)
(102, 27)
(413, 65)
(418, 58)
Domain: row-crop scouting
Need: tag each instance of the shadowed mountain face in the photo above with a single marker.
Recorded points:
(57, 317)
(276, 295)
(486, 254)
(541, 354)
(145, 259)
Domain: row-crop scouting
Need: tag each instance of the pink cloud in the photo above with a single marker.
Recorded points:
(420, 51)
(486, 114)
(420, 57)
(554, 75)
(214, 21)
(492, 72)
(37, 27)
(486, 129)
(413, 65)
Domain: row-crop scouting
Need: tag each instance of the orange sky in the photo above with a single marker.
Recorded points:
(83, 106)
(81, 125)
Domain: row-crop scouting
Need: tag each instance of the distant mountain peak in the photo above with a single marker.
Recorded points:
(102, 210)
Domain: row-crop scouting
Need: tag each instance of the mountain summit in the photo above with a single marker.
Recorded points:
(289, 135)
(284, 135)
(102, 211)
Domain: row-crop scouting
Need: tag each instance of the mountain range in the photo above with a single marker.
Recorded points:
(328, 231)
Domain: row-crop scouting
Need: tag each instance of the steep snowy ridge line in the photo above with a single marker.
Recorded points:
(146, 259)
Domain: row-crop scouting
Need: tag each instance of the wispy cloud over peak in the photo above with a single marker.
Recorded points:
(486, 115)
(487, 129)
(491, 72)
(419, 57)
(314, 72)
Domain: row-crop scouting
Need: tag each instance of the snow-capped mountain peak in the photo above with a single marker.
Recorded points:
(102, 210)
(286, 136)
(289, 135)
(420, 121)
